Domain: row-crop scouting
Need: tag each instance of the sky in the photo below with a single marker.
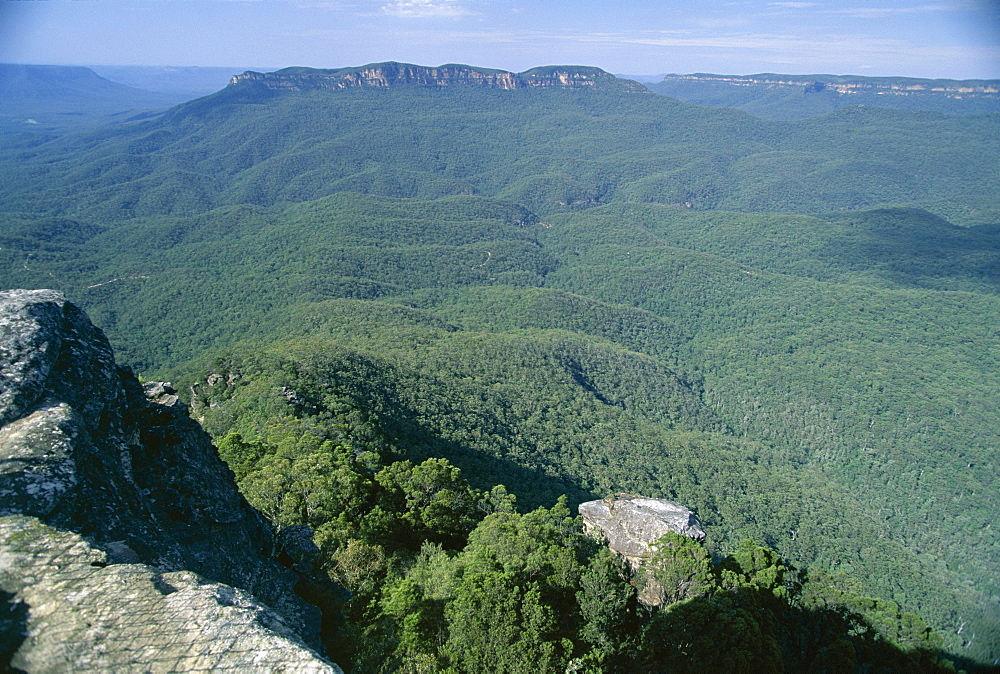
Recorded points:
(957, 39)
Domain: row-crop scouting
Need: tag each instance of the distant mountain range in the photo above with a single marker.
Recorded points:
(34, 97)
(778, 96)
(54, 98)
(187, 81)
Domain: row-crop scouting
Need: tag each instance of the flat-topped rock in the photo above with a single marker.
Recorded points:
(394, 74)
(631, 524)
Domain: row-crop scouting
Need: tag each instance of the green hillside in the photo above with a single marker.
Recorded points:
(550, 150)
(789, 327)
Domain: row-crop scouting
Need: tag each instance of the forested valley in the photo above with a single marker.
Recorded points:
(429, 322)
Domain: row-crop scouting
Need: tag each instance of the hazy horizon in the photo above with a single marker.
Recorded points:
(649, 77)
(953, 39)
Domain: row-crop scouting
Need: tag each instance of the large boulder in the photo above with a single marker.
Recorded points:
(116, 511)
(632, 524)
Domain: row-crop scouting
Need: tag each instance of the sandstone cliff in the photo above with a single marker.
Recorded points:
(124, 543)
(395, 74)
(886, 86)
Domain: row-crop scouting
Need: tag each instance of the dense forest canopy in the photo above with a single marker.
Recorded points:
(790, 327)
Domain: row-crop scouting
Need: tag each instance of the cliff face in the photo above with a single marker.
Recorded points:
(396, 74)
(899, 86)
(124, 542)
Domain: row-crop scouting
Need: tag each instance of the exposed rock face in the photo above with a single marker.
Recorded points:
(395, 74)
(123, 538)
(631, 524)
(80, 612)
(895, 86)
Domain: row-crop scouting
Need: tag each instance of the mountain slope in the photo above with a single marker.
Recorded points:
(552, 150)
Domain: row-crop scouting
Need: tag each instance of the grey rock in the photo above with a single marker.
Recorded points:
(88, 453)
(631, 524)
(47, 345)
(26, 354)
(162, 393)
(292, 396)
(86, 615)
(38, 470)
(296, 541)
(120, 552)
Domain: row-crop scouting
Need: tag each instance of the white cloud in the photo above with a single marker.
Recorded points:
(880, 12)
(419, 9)
(793, 5)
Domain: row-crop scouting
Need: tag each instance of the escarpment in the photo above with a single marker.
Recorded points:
(124, 543)
(392, 74)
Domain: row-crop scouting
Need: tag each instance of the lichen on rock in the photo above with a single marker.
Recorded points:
(117, 514)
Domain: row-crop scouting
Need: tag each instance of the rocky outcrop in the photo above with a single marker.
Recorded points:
(124, 543)
(632, 524)
(81, 611)
(396, 74)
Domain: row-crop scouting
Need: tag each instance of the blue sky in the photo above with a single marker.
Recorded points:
(918, 38)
